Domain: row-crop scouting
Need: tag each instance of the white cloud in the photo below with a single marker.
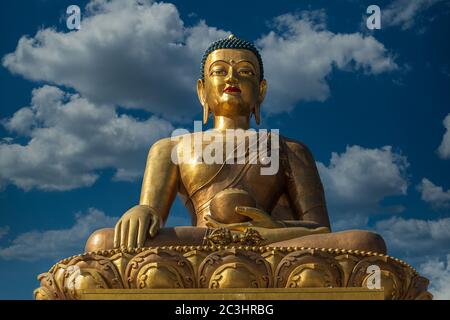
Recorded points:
(433, 194)
(404, 13)
(70, 139)
(4, 231)
(415, 238)
(301, 53)
(143, 56)
(438, 271)
(57, 244)
(357, 180)
(444, 148)
(22, 122)
(136, 54)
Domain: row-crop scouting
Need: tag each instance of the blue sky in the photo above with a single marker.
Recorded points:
(79, 110)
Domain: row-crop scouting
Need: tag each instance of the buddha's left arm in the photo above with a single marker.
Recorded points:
(304, 187)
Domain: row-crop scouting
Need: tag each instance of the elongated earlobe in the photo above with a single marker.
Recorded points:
(205, 113)
(262, 94)
(200, 93)
(257, 113)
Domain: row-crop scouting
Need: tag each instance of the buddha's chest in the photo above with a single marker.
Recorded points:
(202, 181)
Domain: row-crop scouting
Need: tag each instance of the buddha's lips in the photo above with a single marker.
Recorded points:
(231, 89)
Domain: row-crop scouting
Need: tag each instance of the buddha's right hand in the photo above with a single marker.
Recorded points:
(135, 225)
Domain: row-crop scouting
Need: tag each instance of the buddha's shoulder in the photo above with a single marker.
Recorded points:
(172, 141)
(294, 145)
(163, 144)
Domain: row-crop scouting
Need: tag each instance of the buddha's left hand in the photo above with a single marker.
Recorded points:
(259, 218)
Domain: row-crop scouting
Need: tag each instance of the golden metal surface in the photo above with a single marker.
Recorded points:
(258, 268)
(235, 294)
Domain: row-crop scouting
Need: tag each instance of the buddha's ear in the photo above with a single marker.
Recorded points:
(262, 90)
(201, 97)
(262, 94)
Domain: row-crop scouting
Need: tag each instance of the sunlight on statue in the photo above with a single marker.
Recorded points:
(232, 202)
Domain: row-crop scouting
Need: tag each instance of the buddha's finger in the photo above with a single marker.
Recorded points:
(123, 233)
(252, 212)
(239, 226)
(212, 223)
(143, 227)
(117, 234)
(154, 226)
(132, 233)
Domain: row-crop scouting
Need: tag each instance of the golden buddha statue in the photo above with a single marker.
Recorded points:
(284, 209)
(259, 218)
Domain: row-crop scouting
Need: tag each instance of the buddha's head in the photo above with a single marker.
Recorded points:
(232, 80)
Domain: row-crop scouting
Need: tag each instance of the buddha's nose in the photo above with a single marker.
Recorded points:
(231, 77)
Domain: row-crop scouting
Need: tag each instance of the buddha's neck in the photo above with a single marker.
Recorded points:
(237, 122)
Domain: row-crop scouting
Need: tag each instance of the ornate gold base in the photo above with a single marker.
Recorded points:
(216, 267)
(235, 294)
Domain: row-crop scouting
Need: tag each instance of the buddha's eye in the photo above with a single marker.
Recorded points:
(246, 72)
(218, 72)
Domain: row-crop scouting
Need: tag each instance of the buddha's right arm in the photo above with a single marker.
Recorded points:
(160, 182)
(159, 188)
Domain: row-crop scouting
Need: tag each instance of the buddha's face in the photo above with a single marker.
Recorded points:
(231, 85)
